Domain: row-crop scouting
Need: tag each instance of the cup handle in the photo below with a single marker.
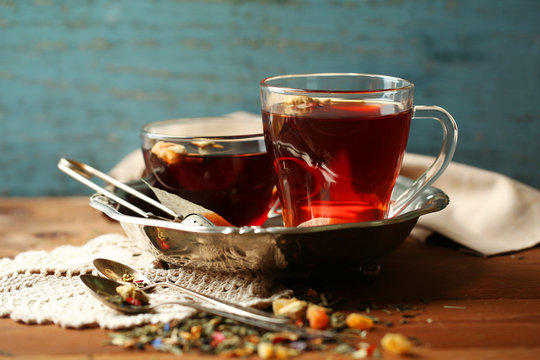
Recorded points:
(450, 135)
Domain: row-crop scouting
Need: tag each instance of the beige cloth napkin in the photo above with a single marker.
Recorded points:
(488, 212)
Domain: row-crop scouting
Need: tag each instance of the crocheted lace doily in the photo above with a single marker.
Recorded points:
(44, 287)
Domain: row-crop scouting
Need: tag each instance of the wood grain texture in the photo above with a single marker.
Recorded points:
(80, 80)
(459, 306)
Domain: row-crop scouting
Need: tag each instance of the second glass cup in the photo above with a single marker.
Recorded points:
(219, 163)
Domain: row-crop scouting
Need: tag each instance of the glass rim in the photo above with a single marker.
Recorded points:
(147, 130)
(265, 83)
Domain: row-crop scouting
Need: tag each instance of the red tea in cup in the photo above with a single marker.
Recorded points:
(218, 163)
(339, 159)
(337, 142)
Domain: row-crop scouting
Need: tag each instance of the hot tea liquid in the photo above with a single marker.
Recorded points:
(237, 187)
(336, 160)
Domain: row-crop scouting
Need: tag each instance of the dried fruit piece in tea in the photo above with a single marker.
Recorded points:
(132, 295)
(170, 153)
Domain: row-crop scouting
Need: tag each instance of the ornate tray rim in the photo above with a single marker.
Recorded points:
(275, 249)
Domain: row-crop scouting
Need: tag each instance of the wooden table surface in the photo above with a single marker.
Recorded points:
(464, 306)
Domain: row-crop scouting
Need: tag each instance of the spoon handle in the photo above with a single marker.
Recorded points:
(83, 173)
(229, 307)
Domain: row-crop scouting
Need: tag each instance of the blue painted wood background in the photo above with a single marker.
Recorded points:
(79, 78)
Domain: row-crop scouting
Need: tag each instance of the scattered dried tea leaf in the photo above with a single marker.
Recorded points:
(337, 320)
(455, 307)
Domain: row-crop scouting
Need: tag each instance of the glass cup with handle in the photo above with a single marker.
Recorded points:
(337, 141)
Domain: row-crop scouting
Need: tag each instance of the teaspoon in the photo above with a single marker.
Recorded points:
(84, 173)
(115, 271)
(105, 290)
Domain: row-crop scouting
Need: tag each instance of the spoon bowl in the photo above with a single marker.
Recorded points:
(116, 271)
(104, 290)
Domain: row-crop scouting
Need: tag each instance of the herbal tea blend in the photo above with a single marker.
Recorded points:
(215, 335)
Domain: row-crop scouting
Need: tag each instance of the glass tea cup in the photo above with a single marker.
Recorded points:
(219, 163)
(337, 142)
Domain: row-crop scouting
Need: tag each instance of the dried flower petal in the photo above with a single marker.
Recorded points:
(217, 338)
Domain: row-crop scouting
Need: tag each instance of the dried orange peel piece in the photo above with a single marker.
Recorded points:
(358, 321)
(317, 317)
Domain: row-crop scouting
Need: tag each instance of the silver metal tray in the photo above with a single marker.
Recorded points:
(271, 248)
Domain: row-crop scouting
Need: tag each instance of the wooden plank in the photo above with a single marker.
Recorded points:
(45, 223)
(483, 326)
